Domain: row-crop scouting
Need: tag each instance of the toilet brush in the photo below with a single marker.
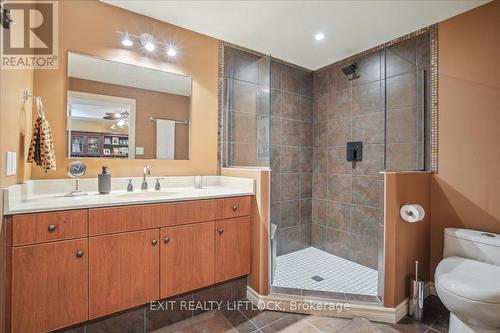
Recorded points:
(416, 270)
(416, 306)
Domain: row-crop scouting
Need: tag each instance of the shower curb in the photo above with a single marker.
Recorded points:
(319, 306)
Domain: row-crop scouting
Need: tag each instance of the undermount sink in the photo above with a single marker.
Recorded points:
(146, 194)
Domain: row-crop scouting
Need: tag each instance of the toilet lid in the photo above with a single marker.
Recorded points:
(470, 279)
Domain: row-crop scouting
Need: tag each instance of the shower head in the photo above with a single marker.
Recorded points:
(351, 70)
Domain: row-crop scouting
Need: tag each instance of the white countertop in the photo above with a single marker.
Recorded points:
(49, 195)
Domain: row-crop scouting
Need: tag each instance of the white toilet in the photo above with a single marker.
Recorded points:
(467, 280)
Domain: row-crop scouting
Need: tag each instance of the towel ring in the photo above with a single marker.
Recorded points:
(38, 100)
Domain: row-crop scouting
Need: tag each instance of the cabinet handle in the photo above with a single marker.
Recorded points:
(79, 253)
(52, 227)
(166, 240)
(154, 242)
(221, 231)
(235, 208)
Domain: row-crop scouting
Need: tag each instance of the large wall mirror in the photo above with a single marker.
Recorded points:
(123, 111)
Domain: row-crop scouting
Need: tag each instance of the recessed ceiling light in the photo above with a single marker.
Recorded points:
(319, 36)
(171, 52)
(126, 41)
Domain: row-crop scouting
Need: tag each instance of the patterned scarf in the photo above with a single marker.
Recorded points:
(41, 150)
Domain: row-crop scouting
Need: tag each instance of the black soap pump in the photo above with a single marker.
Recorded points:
(104, 181)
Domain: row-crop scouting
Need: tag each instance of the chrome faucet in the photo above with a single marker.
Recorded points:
(147, 172)
(157, 185)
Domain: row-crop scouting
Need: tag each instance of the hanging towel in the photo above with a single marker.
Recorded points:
(41, 150)
(165, 139)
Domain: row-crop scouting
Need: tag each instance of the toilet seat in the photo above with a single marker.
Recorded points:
(469, 279)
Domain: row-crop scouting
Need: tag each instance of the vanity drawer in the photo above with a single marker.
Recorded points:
(179, 213)
(120, 219)
(234, 207)
(44, 227)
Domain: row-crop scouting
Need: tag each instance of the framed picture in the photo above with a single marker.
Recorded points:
(106, 151)
(116, 140)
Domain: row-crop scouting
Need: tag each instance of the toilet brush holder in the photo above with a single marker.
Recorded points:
(416, 304)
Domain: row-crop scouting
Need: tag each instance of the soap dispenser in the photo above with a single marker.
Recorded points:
(104, 181)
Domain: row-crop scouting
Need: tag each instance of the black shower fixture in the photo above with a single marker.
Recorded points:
(351, 70)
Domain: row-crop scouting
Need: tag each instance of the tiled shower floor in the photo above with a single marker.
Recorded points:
(297, 269)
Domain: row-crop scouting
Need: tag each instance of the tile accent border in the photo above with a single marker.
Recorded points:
(434, 98)
(220, 102)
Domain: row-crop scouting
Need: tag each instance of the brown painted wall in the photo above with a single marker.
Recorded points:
(197, 57)
(466, 190)
(405, 242)
(14, 119)
(148, 104)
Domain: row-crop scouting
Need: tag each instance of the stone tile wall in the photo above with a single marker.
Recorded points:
(292, 141)
(347, 210)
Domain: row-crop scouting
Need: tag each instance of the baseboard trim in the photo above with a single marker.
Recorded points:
(325, 307)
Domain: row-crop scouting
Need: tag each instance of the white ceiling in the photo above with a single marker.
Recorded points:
(286, 29)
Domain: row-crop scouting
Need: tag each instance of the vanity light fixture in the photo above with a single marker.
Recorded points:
(148, 42)
(171, 52)
(127, 41)
(319, 36)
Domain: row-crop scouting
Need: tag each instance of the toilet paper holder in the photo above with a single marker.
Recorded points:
(411, 212)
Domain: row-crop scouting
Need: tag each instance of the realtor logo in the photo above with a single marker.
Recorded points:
(32, 40)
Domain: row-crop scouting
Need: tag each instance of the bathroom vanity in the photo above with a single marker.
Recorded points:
(104, 254)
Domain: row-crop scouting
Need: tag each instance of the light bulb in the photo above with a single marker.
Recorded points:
(319, 36)
(148, 42)
(171, 52)
(126, 41)
(149, 46)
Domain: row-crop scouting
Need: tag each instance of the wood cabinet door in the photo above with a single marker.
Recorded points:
(49, 286)
(232, 248)
(186, 258)
(123, 271)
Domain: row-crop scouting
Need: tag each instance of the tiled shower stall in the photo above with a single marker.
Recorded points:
(329, 212)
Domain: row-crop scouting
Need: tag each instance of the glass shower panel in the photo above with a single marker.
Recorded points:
(246, 109)
(407, 104)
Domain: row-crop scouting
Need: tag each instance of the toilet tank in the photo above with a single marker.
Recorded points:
(472, 244)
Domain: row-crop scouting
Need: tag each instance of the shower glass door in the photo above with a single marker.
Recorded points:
(246, 116)
(407, 99)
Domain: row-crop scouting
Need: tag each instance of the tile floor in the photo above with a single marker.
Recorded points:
(253, 321)
(314, 269)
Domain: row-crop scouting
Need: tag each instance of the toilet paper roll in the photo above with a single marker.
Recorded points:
(412, 213)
